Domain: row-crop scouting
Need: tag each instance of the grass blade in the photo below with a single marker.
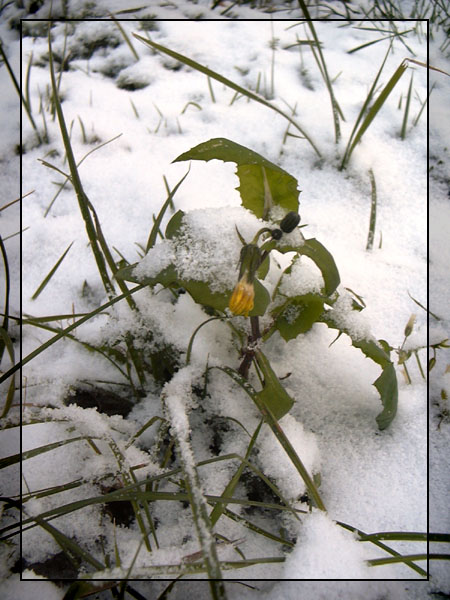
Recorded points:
(15, 458)
(408, 103)
(126, 38)
(217, 511)
(7, 290)
(375, 109)
(16, 85)
(318, 55)
(51, 272)
(65, 331)
(154, 232)
(406, 558)
(373, 211)
(367, 537)
(90, 347)
(76, 181)
(234, 86)
(6, 342)
(128, 478)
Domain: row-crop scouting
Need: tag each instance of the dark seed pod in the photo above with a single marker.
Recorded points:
(276, 234)
(290, 222)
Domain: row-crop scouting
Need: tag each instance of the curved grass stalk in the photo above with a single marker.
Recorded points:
(234, 86)
(76, 181)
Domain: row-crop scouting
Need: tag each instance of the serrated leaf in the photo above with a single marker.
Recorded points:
(273, 395)
(262, 183)
(299, 316)
(386, 383)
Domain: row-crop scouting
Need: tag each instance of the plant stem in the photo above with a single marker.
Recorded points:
(249, 353)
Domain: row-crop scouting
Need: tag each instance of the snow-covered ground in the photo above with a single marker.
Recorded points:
(372, 480)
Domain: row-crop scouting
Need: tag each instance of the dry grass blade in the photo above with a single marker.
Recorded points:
(125, 37)
(318, 55)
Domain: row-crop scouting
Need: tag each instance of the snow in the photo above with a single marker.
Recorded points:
(371, 480)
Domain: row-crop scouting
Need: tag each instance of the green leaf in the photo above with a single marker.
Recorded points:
(264, 268)
(386, 383)
(299, 316)
(262, 183)
(324, 260)
(273, 395)
(198, 290)
(165, 277)
(317, 252)
(173, 226)
(372, 350)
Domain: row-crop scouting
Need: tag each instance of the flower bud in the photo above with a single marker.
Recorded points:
(250, 260)
(410, 325)
(276, 234)
(290, 222)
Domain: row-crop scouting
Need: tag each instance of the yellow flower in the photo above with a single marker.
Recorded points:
(241, 301)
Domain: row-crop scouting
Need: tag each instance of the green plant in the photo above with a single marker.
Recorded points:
(271, 195)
